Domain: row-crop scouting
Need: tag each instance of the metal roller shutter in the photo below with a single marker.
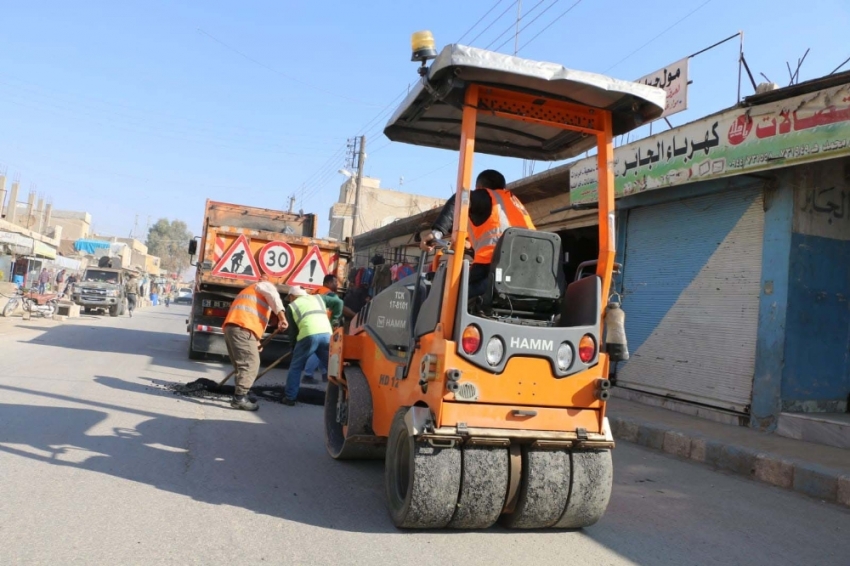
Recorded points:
(691, 287)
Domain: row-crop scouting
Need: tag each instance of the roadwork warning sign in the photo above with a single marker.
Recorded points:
(238, 262)
(311, 271)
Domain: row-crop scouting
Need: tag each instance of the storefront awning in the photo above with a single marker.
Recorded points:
(89, 246)
(43, 250)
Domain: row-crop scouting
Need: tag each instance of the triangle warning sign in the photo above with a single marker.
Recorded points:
(238, 262)
(311, 271)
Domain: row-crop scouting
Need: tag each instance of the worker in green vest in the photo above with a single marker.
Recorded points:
(310, 330)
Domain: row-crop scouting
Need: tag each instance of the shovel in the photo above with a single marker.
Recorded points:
(262, 345)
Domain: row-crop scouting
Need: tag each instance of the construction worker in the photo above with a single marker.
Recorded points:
(492, 210)
(244, 327)
(335, 312)
(310, 331)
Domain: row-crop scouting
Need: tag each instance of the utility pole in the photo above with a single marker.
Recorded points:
(361, 159)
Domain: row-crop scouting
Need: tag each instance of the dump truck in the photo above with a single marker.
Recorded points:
(239, 244)
(492, 408)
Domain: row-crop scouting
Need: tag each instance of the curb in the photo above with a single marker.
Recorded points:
(809, 479)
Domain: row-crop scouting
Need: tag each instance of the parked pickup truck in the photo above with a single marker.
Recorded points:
(101, 288)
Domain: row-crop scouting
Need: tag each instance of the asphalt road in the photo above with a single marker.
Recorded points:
(100, 465)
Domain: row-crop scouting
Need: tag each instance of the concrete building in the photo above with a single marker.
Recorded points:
(734, 236)
(378, 207)
(75, 225)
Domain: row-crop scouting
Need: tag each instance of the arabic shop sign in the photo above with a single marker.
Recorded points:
(674, 80)
(797, 130)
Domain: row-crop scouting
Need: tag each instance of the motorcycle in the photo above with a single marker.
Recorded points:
(36, 305)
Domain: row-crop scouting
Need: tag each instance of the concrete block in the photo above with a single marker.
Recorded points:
(736, 459)
(60, 317)
(651, 436)
(844, 490)
(713, 453)
(677, 444)
(772, 470)
(698, 449)
(623, 429)
(815, 482)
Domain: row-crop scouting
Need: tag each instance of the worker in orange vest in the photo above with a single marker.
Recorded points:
(246, 322)
(492, 210)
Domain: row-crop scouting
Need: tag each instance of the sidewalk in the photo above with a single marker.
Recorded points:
(812, 469)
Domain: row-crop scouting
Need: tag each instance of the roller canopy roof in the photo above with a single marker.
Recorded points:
(431, 113)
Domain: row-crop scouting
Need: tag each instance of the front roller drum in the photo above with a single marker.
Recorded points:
(422, 481)
(348, 420)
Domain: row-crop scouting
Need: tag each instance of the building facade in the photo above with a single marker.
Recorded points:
(75, 225)
(378, 207)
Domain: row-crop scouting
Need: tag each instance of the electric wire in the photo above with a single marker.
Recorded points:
(674, 24)
(513, 26)
(561, 15)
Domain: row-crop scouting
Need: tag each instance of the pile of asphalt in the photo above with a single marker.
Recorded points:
(208, 389)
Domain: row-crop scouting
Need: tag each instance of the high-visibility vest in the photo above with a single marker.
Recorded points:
(506, 212)
(310, 316)
(250, 311)
(325, 291)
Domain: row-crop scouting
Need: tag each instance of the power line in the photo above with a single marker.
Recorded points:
(275, 71)
(481, 19)
(539, 33)
(511, 5)
(677, 22)
(513, 25)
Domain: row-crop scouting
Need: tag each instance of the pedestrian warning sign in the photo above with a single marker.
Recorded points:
(311, 271)
(238, 262)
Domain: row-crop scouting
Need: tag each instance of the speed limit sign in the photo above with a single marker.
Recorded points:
(277, 259)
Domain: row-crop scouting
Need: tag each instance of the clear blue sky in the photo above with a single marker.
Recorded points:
(145, 107)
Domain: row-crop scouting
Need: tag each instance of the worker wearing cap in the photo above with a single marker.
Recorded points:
(492, 210)
(336, 310)
(310, 330)
(246, 322)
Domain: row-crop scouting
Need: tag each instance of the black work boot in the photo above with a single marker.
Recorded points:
(242, 402)
(287, 401)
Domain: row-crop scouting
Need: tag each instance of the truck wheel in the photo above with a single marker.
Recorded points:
(422, 481)
(194, 354)
(348, 421)
(592, 479)
(544, 491)
(113, 311)
(483, 487)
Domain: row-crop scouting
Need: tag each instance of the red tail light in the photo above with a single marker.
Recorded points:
(215, 312)
(470, 340)
(586, 348)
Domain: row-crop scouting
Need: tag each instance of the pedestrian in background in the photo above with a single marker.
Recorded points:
(131, 288)
(246, 322)
(43, 280)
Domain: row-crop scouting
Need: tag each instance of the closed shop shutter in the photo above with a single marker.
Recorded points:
(691, 287)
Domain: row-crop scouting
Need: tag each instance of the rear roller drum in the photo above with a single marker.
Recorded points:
(592, 478)
(422, 481)
(348, 421)
(483, 487)
(544, 491)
